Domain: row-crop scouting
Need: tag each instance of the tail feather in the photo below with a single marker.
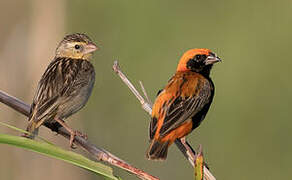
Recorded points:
(157, 150)
(31, 127)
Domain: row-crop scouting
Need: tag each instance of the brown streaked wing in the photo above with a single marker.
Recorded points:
(55, 82)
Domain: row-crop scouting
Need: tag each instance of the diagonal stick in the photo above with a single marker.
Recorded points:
(185, 147)
(97, 153)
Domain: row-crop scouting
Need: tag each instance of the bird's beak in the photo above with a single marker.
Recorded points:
(89, 48)
(211, 59)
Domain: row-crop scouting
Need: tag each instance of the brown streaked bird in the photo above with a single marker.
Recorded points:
(65, 86)
(184, 102)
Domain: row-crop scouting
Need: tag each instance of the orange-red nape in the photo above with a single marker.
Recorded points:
(182, 65)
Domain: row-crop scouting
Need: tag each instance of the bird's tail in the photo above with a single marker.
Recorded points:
(31, 127)
(157, 150)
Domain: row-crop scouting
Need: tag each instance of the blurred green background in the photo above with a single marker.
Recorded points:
(247, 132)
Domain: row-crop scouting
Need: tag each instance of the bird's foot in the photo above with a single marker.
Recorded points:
(73, 134)
(25, 135)
(80, 134)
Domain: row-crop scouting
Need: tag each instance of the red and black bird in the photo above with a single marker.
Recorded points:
(184, 102)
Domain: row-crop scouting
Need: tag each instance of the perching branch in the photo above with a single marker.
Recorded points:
(183, 146)
(98, 153)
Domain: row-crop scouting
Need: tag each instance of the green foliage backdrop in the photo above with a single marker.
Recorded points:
(247, 132)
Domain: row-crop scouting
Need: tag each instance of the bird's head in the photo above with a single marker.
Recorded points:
(76, 46)
(198, 60)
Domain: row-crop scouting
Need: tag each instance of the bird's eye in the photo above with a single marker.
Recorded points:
(77, 46)
(198, 57)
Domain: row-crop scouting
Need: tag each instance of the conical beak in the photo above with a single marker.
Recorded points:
(211, 59)
(89, 48)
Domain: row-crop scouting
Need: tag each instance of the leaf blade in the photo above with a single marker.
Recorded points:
(58, 153)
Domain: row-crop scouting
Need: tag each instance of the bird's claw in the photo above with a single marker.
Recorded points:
(80, 134)
(72, 137)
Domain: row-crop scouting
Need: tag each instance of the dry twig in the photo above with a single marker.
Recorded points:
(182, 144)
(98, 153)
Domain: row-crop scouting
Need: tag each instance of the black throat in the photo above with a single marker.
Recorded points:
(199, 67)
(206, 71)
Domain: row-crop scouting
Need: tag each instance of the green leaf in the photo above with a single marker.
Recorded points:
(58, 153)
(23, 131)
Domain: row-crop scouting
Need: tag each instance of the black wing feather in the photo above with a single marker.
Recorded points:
(183, 109)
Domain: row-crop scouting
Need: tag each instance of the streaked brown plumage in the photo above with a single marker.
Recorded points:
(182, 105)
(65, 86)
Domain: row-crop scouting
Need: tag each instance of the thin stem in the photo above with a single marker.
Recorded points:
(145, 93)
(188, 152)
(146, 106)
(98, 153)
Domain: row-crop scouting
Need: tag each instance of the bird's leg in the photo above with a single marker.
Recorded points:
(191, 152)
(72, 132)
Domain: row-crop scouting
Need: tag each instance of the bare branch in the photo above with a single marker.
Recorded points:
(184, 147)
(98, 153)
(147, 107)
(145, 94)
